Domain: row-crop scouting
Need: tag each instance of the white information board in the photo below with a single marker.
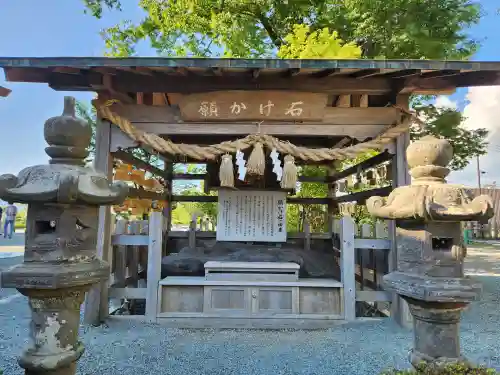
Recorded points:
(251, 216)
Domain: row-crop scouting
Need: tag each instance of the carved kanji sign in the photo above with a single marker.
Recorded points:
(253, 105)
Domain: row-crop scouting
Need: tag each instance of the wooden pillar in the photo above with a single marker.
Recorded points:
(169, 167)
(400, 177)
(332, 205)
(154, 264)
(347, 264)
(96, 301)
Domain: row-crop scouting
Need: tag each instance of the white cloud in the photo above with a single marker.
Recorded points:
(482, 111)
(445, 102)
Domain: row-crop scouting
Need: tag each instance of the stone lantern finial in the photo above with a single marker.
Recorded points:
(429, 197)
(68, 136)
(60, 262)
(428, 159)
(430, 250)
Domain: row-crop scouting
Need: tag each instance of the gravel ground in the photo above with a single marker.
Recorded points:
(355, 349)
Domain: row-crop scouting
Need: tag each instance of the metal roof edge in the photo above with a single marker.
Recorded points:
(271, 63)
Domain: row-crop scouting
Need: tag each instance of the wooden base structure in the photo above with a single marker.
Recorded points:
(248, 294)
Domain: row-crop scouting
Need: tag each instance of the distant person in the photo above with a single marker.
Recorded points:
(1, 213)
(10, 219)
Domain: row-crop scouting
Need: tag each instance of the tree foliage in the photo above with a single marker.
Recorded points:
(402, 29)
(88, 114)
(447, 123)
(303, 43)
(392, 29)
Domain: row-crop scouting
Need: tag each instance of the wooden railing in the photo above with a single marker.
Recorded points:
(364, 259)
(138, 249)
(136, 261)
(489, 231)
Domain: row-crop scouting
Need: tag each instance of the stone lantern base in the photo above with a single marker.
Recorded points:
(55, 316)
(436, 328)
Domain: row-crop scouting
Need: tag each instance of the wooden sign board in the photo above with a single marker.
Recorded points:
(251, 216)
(253, 106)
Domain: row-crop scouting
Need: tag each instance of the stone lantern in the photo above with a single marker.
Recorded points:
(60, 262)
(430, 250)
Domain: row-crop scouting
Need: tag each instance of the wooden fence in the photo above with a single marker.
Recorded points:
(363, 255)
(489, 231)
(136, 261)
(364, 260)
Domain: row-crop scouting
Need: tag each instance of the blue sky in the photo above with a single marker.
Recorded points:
(60, 28)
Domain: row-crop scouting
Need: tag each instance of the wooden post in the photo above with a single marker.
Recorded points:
(154, 264)
(400, 177)
(192, 233)
(135, 229)
(96, 302)
(348, 267)
(169, 169)
(332, 205)
(307, 235)
(121, 256)
(366, 231)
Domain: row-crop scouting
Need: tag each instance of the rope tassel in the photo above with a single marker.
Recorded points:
(256, 164)
(226, 171)
(289, 179)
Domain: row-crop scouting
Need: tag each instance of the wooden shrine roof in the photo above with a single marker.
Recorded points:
(182, 75)
(4, 91)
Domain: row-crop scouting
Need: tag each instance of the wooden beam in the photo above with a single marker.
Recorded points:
(364, 101)
(141, 164)
(211, 198)
(439, 74)
(183, 71)
(300, 200)
(362, 196)
(343, 101)
(200, 176)
(368, 163)
(188, 176)
(145, 194)
(240, 106)
(360, 132)
(137, 113)
(217, 71)
(113, 94)
(292, 72)
(365, 73)
(129, 82)
(333, 72)
(90, 81)
(403, 73)
(4, 92)
(255, 73)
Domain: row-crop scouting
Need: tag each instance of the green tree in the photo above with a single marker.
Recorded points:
(402, 29)
(240, 28)
(447, 123)
(302, 43)
(392, 29)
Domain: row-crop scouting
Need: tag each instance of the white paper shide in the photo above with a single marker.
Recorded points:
(251, 216)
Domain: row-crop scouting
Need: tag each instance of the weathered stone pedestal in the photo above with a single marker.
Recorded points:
(60, 262)
(437, 329)
(430, 250)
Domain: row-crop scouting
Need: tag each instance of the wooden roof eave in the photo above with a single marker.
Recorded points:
(171, 75)
(4, 92)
